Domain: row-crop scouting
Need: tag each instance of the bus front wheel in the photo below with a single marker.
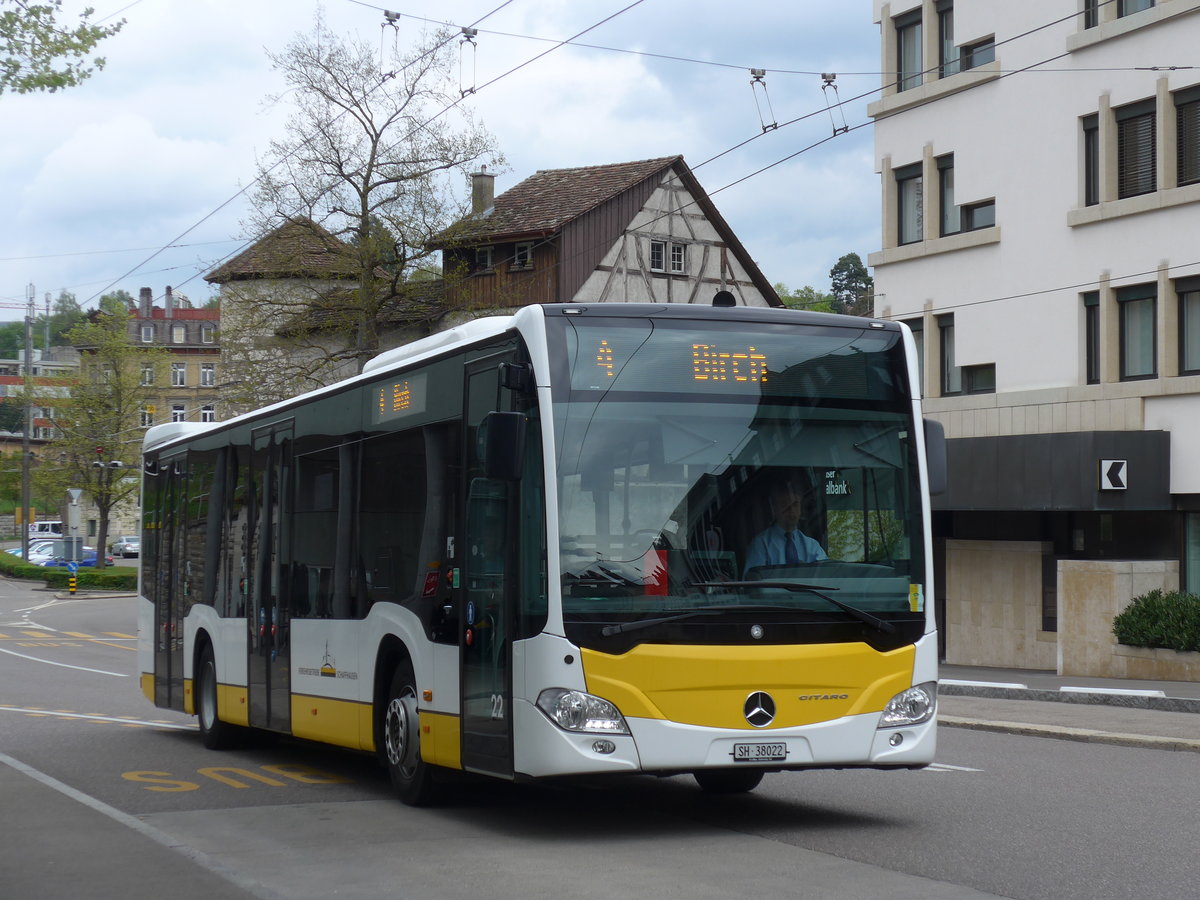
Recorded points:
(728, 781)
(411, 776)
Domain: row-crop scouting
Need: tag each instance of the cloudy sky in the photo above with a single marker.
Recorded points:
(132, 180)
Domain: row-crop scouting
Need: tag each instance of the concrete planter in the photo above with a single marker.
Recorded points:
(1157, 664)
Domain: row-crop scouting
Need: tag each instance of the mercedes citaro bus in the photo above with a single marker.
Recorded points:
(521, 548)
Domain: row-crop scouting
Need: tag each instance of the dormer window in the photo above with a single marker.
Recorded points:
(147, 334)
(178, 334)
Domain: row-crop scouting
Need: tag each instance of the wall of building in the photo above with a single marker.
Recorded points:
(1090, 594)
(994, 605)
(671, 216)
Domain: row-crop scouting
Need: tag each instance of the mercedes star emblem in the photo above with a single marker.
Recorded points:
(759, 709)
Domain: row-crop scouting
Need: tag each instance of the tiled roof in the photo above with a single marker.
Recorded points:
(298, 248)
(415, 303)
(547, 200)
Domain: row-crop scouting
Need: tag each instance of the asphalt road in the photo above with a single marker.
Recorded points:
(118, 798)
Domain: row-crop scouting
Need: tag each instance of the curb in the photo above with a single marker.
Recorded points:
(1065, 733)
(1155, 700)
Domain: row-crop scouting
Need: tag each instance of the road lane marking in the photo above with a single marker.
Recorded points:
(946, 767)
(249, 885)
(117, 720)
(51, 662)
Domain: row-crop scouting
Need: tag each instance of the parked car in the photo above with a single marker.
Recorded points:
(89, 559)
(127, 545)
(40, 551)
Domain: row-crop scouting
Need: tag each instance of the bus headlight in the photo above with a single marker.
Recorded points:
(580, 712)
(910, 707)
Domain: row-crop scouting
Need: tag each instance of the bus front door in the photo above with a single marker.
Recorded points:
(267, 612)
(487, 613)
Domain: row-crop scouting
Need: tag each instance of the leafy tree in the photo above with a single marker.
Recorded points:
(37, 53)
(807, 297)
(99, 421)
(12, 416)
(852, 287)
(372, 159)
(12, 339)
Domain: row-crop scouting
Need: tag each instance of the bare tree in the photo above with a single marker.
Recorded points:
(371, 168)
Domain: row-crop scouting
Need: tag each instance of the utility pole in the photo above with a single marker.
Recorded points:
(30, 293)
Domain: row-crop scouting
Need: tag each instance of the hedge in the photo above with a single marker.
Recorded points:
(1157, 619)
(107, 579)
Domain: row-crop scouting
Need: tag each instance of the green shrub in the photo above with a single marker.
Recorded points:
(1157, 619)
(111, 578)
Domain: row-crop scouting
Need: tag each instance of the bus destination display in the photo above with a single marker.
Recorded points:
(401, 396)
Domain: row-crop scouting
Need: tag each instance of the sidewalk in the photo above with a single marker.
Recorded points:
(1159, 715)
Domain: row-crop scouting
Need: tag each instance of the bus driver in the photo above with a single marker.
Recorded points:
(782, 543)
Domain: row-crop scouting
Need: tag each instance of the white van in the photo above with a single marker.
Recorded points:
(47, 529)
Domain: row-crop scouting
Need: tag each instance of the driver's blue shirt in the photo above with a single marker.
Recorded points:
(769, 548)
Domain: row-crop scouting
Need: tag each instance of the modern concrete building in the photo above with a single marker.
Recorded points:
(1040, 173)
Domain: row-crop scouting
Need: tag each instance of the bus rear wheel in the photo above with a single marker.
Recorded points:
(412, 777)
(217, 735)
(728, 781)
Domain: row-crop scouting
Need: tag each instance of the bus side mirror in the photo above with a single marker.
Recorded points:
(502, 441)
(935, 455)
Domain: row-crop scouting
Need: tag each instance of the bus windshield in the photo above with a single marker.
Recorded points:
(732, 482)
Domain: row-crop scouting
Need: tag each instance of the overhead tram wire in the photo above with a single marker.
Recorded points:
(255, 181)
(710, 159)
(415, 128)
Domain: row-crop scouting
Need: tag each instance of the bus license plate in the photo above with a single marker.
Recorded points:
(759, 752)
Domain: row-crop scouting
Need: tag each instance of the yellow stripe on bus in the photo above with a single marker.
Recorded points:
(708, 686)
(345, 723)
(441, 739)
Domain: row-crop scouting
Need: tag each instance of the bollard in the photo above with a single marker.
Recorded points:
(71, 582)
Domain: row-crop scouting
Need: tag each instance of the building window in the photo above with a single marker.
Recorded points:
(178, 334)
(951, 375)
(523, 255)
(1187, 120)
(948, 212)
(1091, 160)
(1129, 7)
(908, 50)
(206, 334)
(483, 259)
(1189, 325)
(146, 415)
(979, 379)
(1091, 336)
(658, 255)
(147, 334)
(947, 52)
(678, 258)
(178, 375)
(978, 215)
(909, 204)
(178, 413)
(977, 54)
(1135, 149)
(208, 414)
(1091, 13)
(1137, 326)
(208, 375)
(147, 376)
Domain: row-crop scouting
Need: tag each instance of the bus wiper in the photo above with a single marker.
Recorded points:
(622, 628)
(861, 614)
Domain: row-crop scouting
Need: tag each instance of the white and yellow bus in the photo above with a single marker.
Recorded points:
(521, 548)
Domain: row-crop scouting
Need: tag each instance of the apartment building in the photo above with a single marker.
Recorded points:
(1040, 174)
(185, 390)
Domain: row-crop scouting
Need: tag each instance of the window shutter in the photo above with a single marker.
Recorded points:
(1187, 116)
(1135, 150)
